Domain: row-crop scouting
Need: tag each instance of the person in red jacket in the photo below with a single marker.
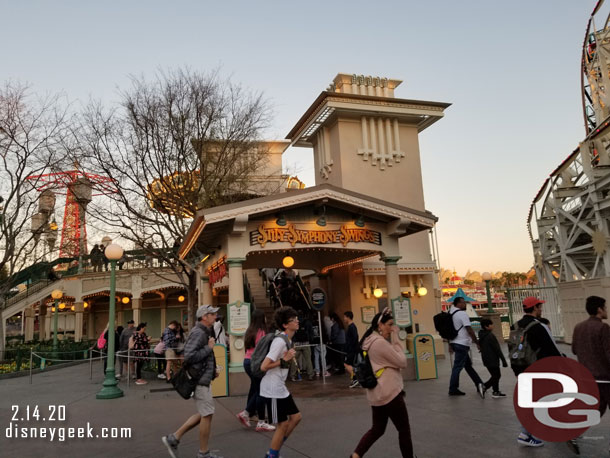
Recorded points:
(387, 399)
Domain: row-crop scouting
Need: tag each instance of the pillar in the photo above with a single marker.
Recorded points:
(163, 314)
(236, 293)
(90, 324)
(78, 321)
(28, 324)
(392, 277)
(136, 305)
(205, 291)
(42, 323)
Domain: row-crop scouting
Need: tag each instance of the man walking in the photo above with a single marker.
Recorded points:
(460, 346)
(591, 345)
(199, 354)
(541, 343)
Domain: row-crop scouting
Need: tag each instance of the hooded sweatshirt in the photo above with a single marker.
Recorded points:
(391, 357)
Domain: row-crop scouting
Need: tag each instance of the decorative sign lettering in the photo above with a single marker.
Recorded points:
(292, 235)
(368, 313)
(318, 298)
(217, 271)
(401, 309)
(239, 318)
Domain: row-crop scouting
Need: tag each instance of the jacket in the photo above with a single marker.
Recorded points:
(491, 353)
(591, 344)
(539, 338)
(391, 358)
(198, 354)
(124, 338)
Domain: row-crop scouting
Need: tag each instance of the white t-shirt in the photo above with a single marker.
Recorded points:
(460, 321)
(273, 384)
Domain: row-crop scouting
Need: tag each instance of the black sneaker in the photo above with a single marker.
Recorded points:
(497, 394)
(573, 446)
(457, 393)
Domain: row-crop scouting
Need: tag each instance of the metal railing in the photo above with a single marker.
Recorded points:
(551, 310)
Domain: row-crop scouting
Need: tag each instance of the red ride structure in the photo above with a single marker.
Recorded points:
(80, 187)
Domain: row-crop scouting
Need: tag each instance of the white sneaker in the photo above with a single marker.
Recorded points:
(264, 426)
(244, 418)
(161, 376)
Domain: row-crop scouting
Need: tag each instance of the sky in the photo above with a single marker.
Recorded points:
(510, 69)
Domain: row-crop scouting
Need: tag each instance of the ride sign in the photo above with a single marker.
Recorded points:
(318, 299)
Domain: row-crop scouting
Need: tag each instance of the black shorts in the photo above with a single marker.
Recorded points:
(350, 358)
(281, 408)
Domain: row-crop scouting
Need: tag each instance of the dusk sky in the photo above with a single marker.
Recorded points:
(511, 70)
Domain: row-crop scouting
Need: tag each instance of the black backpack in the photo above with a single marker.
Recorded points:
(363, 370)
(262, 350)
(443, 323)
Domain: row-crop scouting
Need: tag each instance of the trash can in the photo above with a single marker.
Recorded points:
(424, 355)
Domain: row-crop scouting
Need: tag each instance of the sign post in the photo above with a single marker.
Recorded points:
(318, 301)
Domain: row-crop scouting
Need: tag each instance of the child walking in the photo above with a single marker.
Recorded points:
(491, 354)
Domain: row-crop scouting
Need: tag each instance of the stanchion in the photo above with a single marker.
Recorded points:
(322, 350)
(128, 368)
(90, 364)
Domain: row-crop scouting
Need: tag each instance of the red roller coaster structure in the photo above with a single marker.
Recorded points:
(79, 187)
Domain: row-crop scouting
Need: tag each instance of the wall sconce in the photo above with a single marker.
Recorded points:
(360, 221)
(321, 221)
(125, 300)
(377, 292)
(421, 290)
(85, 305)
(62, 306)
(281, 220)
(181, 298)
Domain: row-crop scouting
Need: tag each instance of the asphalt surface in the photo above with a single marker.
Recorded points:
(334, 419)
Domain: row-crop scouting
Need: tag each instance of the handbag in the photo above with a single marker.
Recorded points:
(184, 382)
(101, 342)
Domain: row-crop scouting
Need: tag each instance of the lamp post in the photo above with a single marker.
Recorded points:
(110, 389)
(487, 278)
(57, 294)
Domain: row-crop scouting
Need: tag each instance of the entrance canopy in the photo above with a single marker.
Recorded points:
(320, 227)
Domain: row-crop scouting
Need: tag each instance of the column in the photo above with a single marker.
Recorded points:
(236, 293)
(42, 323)
(90, 325)
(205, 291)
(392, 277)
(136, 305)
(163, 314)
(28, 324)
(78, 321)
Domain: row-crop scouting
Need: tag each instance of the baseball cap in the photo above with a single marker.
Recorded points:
(530, 302)
(205, 310)
(131, 322)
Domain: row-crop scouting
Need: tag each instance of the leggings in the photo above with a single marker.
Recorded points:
(395, 410)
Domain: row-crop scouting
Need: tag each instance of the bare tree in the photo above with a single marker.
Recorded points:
(176, 144)
(31, 134)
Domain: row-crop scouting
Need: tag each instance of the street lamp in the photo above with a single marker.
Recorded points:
(57, 294)
(487, 278)
(110, 389)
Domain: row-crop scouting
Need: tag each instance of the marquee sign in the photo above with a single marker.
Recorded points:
(217, 271)
(290, 234)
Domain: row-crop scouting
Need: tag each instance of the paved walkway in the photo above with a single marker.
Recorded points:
(334, 418)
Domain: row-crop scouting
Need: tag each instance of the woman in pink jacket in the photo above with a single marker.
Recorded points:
(387, 399)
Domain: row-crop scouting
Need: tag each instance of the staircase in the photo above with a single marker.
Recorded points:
(259, 293)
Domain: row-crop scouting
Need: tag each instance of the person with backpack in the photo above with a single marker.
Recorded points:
(387, 398)
(255, 403)
(460, 346)
(528, 343)
(199, 355)
(302, 365)
(491, 353)
(284, 412)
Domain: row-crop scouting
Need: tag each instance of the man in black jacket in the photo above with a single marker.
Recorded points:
(199, 355)
(541, 342)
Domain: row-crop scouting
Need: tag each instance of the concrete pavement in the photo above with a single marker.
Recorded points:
(334, 418)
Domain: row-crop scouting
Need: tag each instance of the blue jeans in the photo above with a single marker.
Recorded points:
(462, 361)
(319, 355)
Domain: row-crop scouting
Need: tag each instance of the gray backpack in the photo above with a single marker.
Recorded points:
(520, 352)
(262, 350)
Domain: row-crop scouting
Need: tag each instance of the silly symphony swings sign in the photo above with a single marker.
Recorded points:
(292, 235)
